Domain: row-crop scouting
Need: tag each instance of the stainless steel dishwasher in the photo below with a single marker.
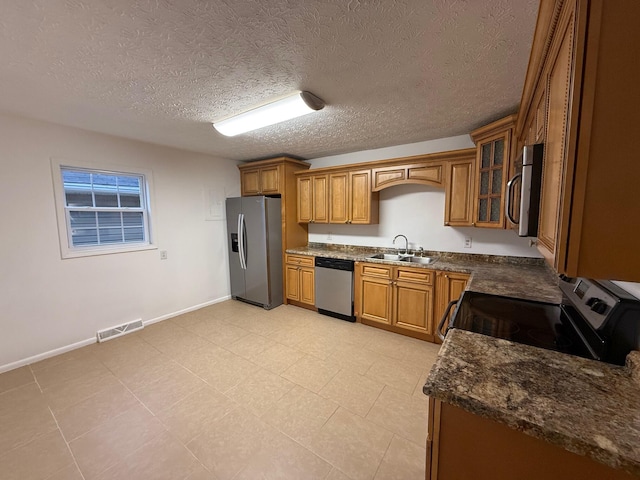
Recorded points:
(334, 287)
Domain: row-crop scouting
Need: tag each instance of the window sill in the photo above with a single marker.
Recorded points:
(91, 252)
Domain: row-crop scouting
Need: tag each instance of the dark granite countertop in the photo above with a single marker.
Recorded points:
(587, 407)
(518, 277)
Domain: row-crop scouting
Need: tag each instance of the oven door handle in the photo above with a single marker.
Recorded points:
(443, 320)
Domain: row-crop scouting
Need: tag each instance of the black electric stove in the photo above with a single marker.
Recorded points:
(596, 320)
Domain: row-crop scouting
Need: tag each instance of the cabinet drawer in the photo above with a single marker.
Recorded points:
(301, 260)
(415, 275)
(375, 270)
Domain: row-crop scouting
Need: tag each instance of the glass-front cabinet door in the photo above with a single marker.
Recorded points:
(492, 167)
(491, 188)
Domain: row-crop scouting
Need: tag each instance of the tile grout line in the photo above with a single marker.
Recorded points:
(73, 457)
(384, 385)
(384, 455)
(35, 379)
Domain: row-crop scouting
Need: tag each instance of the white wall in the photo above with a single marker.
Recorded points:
(631, 287)
(47, 303)
(416, 211)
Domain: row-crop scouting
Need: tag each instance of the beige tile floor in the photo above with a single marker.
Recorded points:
(230, 391)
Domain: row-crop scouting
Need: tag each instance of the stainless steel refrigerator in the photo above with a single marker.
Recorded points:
(254, 228)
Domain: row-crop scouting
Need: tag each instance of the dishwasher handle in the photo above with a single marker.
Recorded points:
(443, 320)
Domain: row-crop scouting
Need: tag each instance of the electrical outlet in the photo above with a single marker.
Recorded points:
(329, 236)
(163, 254)
(467, 242)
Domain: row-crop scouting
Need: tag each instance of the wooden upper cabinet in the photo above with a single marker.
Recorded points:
(493, 145)
(250, 182)
(428, 173)
(559, 81)
(581, 97)
(459, 193)
(261, 181)
(360, 196)
(320, 198)
(305, 199)
(270, 180)
(339, 197)
(351, 199)
(313, 199)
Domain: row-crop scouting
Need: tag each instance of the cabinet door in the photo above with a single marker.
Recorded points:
(449, 287)
(250, 182)
(491, 178)
(320, 199)
(559, 97)
(413, 307)
(269, 180)
(338, 197)
(292, 275)
(360, 197)
(375, 299)
(305, 199)
(459, 194)
(307, 285)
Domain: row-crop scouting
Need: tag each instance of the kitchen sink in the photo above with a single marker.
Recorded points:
(388, 256)
(401, 258)
(422, 260)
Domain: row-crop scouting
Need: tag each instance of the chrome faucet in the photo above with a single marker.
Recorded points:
(406, 243)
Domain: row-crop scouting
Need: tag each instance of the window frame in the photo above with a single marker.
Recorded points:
(67, 250)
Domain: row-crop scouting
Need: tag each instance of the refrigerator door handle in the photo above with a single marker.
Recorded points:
(241, 241)
(243, 233)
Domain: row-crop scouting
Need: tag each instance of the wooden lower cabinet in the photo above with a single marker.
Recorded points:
(376, 298)
(464, 446)
(399, 299)
(300, 279)
(449, 286)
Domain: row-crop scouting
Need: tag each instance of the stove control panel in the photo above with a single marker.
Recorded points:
(591, 300)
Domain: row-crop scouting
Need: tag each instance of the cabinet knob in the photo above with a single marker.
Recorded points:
(446, 276)
(346, 221)
(446, 224)
(473, 224)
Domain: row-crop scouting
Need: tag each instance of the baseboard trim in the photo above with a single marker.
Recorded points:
(185, 310)
(45, 355)
(89, 341)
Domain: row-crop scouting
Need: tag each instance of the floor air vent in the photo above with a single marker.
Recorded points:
(113, 332)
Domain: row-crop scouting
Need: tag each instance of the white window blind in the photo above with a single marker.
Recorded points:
(104, 208)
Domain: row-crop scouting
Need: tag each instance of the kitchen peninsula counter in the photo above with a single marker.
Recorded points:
(519, 277)
(587, 407)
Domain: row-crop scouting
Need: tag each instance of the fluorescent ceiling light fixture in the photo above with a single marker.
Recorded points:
(291, 106)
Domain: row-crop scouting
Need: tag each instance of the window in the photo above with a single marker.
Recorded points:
(102, 211)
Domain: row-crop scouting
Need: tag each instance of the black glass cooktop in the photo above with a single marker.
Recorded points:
(543, 325)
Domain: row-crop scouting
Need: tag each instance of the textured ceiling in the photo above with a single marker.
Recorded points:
(390, 71)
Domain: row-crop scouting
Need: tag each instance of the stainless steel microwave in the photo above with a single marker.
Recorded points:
(523, 191)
